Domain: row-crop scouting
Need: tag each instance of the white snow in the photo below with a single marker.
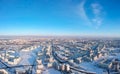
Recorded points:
(28, 58)
(51, 71)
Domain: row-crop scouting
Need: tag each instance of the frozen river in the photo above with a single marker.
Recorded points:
(28, 57)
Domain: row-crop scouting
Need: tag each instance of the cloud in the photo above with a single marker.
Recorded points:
(82, 12)
(96, 8)
(97, 14)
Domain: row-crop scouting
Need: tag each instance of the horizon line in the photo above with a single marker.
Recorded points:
(92, 36)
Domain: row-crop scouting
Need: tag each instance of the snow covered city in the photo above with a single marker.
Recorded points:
(59, 36)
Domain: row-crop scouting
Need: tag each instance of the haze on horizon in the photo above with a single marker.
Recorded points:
(60, 17)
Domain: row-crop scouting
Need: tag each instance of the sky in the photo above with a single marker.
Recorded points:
(60, 17)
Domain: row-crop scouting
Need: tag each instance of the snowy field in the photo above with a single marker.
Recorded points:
(28, 57)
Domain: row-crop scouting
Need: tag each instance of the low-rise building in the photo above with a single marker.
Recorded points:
(3, 71)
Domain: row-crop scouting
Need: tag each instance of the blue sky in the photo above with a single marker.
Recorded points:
(60, 17)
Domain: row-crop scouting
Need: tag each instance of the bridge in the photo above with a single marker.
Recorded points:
(82, 71)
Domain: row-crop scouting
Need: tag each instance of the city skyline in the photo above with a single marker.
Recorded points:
(63, 17)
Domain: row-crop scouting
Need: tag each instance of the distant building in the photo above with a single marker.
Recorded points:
(20, 71)
(115, 67)
(78, 60)
(3, 71)
(67, 67)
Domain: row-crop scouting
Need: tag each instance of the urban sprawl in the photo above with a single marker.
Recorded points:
(59, 55)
